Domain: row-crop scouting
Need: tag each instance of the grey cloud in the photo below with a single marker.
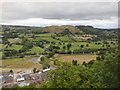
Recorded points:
(52, 10)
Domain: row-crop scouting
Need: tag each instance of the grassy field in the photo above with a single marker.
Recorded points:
(14, 40)
(44, 35)
(36, 49)
(11, 62)
(79, 58)
(15, 47)
(19, 64)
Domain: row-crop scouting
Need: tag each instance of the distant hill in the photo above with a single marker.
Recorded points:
(89, 30)
(60, 29)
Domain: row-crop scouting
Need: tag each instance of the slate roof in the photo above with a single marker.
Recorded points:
(7, 77)
(22, 84)
(27, 77)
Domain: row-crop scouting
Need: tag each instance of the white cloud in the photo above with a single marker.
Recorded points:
(59, 1)
(103, 23)
(97, 14)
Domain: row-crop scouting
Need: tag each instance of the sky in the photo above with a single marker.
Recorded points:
(96, 14)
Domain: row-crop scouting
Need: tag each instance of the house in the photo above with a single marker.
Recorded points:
(46, 70)
(43, 76)
(11, 75)
(52, 68)
(1, 76)
(38, 75)
(27, 77)
(7, 77)
(22, 84)
(38, 81)
(20, 78)
(35, 76)
(39, 72)
(44, 73)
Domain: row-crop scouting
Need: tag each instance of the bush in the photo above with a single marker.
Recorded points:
(42, 59)
(50, 54)
(34, 70)
(45, 66)
(21, 56)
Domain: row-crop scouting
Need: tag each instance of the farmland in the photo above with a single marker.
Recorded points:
(79, 58)
(68, 42)
(19, 64)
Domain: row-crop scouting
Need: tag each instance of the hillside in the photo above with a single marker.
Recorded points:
(89, 29)
(59, 29)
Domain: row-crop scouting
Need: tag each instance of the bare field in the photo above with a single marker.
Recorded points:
(79, 58)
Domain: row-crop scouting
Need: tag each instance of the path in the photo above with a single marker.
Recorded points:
(36, 60)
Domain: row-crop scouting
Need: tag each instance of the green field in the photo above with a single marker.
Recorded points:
(14, 40)
(44, 35)
(16, 47)
(36, 49)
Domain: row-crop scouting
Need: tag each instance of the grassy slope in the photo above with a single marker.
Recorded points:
(59, 29)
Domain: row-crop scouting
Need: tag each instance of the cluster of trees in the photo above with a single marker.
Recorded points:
(66, 32)
(53, 47)
(9, 53)
(76, 51)
(37, 32)
(35, 70)
(74, 62)
(68, 46)
(45, 66)
(57, 49)
(42, 59)
(28, 45)
(10, 35)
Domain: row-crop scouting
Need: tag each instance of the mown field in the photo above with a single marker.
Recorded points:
(19, 64)
(9, 62)
(80, 58)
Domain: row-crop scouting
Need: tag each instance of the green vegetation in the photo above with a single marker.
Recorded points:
(37, 41)
(95, 74)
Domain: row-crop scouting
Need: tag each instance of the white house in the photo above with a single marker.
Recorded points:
(45, 70)
(11, 75)
(39, 72)
(20, 78)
